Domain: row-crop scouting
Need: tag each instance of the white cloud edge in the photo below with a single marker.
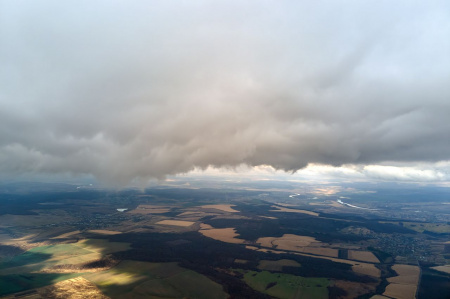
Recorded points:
(420, 173)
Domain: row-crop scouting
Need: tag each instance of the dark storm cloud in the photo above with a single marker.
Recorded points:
(125, 90)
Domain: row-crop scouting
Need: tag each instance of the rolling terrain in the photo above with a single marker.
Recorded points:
(171, 242)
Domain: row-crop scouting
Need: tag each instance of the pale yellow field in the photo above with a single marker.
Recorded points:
(266, 242)
(176, 223)
(287, 242)
(406, 269)
(407, 274)
(268, 217)
(400, 291)
(225, 208)
(104, 232)
(404, 285)
(150, 209)
(251, 247)
(366, 269)
(222, 234)
(365, 256)
(66, 235)
(189, 213)
(205, 226)
(298, 243)
(404, 279)
(270, 251)
(281, 209)
(445, 269)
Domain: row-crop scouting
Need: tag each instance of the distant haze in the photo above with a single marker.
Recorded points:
(126, 90)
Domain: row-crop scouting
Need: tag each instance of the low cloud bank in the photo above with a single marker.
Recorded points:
(137, 90)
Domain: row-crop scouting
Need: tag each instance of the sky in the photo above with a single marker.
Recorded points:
(130, 91)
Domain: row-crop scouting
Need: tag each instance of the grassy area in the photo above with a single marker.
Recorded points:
(439, 228)
(286, 285)
(142, 280)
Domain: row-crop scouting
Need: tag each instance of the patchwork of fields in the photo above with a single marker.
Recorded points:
(176, 245)
(41, 266)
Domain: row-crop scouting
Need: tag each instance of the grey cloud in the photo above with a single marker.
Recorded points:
(140, 90)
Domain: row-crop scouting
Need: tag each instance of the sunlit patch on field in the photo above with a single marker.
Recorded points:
(45, 265)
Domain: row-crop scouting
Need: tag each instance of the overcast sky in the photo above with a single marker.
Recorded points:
(134, 90)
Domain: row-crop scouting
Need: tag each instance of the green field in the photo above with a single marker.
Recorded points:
(439, 228)
(132, 279)
(286, 285)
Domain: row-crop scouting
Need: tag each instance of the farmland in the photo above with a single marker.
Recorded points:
(228, 235)
(404, 285)
(181, 242)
